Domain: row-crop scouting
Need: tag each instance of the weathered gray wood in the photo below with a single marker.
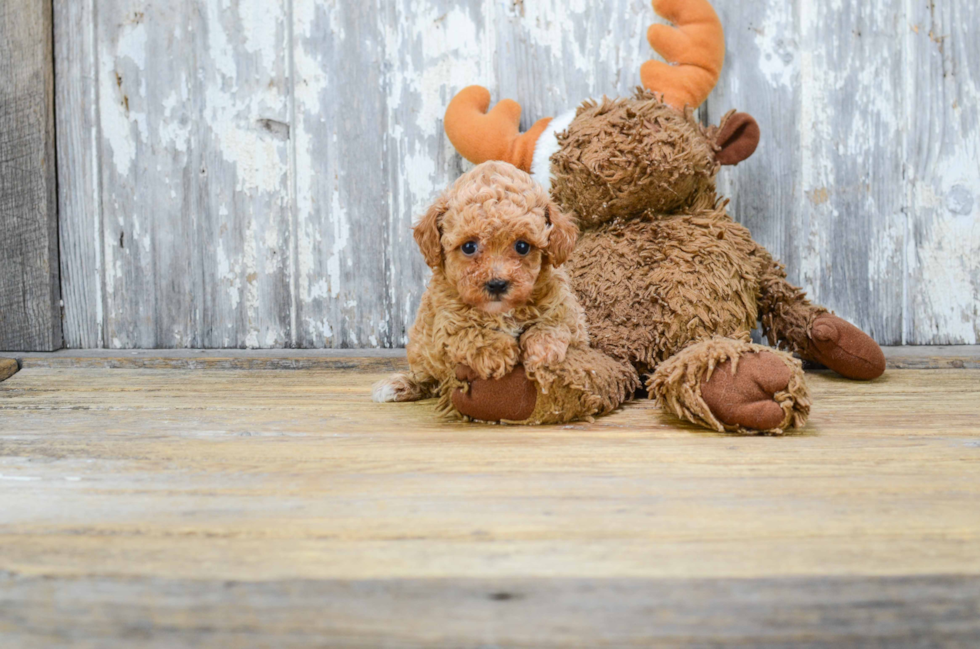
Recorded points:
(194, 159)
(30, 311)
(823, 191)
(434, 49)
(318, 128)
(342, 194)
(942, 153)
(79, 192)
(838, 612)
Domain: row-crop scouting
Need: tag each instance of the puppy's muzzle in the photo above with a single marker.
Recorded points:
(496, 288)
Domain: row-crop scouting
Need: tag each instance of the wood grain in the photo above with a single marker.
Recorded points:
(942, 151)
(898, 358)
(194, 161)
(836, 612)
(30, 312)
(79, 196)
(200, 506)
(269, 172)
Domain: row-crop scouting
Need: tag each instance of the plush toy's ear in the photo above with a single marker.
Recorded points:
(428, 235)
(562, 235)
(737, 139)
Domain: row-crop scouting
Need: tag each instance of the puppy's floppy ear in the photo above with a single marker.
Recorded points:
(562, 235)
(428, 235)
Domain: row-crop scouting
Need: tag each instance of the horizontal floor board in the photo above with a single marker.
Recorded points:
(109, 612)
(215, 506)
(950, 357)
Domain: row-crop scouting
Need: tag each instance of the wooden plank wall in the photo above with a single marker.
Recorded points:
(30, 309)
(245, 173)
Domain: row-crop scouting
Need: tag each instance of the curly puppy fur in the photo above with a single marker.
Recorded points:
(496, 227)
(661, 267)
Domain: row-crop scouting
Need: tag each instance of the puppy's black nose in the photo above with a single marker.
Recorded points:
(497, 287)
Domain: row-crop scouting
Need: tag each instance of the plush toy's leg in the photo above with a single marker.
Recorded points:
(790, 322)
(587, 384)
(734, 386)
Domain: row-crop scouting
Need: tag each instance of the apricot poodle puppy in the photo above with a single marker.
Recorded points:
(497, 299)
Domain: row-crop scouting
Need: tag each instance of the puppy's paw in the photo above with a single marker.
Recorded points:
(543, 350)
(397, 387)
(493, 361)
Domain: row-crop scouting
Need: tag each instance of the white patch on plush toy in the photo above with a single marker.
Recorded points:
(547, 146)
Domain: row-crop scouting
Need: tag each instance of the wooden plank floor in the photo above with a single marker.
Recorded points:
(223, 507)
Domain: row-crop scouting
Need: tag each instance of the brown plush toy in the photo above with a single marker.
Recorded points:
(669, 282)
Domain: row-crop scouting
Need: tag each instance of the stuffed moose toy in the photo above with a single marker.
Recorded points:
(670, 284)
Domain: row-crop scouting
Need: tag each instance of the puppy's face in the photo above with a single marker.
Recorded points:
(491, 234)
(495, 263)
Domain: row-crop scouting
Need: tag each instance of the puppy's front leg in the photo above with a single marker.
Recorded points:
(544, 345)
(491, 354)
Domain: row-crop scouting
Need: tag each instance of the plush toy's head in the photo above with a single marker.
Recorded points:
(623, 156)
(492, 233)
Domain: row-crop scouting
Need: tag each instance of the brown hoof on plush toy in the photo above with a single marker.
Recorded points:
(511, 398)
(845, 349)
(746, 398)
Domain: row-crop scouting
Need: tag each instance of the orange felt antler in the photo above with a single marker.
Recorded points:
(480, 136)
(695, 50)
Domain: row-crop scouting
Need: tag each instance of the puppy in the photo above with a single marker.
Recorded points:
(497, 297)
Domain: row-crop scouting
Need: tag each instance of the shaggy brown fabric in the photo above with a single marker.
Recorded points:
(786, 314)
(845, 349)
(621, 157)
(678, 386)
(653, 285)
(669, 282)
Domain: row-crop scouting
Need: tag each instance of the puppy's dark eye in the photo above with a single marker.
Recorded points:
(469, 248)
(522, 247)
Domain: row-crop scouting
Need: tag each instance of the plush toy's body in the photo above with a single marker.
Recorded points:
(669, 282)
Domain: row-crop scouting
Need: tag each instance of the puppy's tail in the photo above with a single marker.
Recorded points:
(400, 387)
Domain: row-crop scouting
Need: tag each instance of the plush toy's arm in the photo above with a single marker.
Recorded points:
(791, 322)
(784, 309)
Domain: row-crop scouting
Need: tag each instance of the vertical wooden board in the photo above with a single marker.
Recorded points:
(30, 312)
(245, 100)
(762, 77)
(850, 207)
(79, 207)
(342, 201)
(194, 122)
(433, 49)
(552, 55)
(943, 154)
